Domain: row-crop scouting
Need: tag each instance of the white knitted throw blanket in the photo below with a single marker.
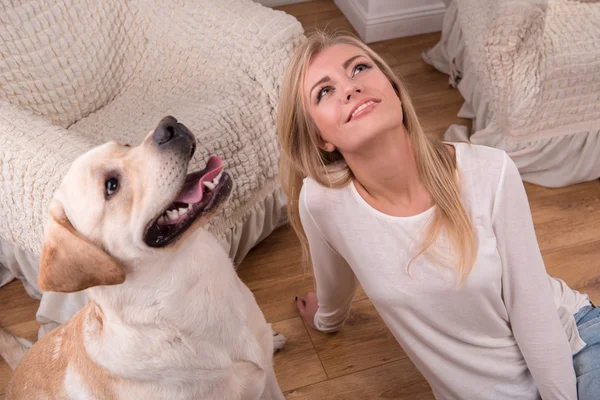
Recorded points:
(77, 73)
(539, 62)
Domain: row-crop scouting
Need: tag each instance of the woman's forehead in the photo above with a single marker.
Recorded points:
(334, 56)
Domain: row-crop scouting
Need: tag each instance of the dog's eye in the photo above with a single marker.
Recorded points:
(110, 187)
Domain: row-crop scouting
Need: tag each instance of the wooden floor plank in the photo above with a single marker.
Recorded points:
(566, 219)
(578, 266)
(275, 274)
(536, 192)
(397, 380)
(363, 342)
(16, 306)
(298, 364)
(319, 14)
(278, 255)
(17, 316)
(276, 296)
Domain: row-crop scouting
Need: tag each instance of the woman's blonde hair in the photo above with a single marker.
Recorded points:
(301, 156)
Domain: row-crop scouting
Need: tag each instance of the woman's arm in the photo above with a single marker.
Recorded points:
(527, 292)
(336, 283)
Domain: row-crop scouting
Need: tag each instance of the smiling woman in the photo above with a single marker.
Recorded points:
(439, 236)
(332, 82)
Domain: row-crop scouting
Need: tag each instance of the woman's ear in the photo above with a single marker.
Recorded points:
(326, 146)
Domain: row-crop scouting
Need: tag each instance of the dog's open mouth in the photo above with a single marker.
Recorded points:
(201, 192)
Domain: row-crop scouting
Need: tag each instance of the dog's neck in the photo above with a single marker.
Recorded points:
(156, 288)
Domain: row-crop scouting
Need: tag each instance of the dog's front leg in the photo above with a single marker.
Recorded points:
(279, 341)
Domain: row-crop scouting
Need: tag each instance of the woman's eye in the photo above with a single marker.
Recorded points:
(359, 68)
(110, 187)
(322, 93)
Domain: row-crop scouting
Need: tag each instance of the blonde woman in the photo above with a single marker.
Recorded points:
(440, 236)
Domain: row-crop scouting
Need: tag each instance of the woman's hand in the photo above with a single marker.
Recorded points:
(307, 307)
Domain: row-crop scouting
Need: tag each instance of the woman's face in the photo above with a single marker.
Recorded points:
(349, 99)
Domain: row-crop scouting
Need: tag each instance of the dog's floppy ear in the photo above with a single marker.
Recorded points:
(69, 262)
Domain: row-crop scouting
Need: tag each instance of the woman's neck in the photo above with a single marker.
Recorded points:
(387, 176)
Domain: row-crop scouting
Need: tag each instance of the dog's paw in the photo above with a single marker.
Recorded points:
(279, 341)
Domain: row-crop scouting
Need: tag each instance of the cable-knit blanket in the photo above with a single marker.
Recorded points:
(78, 73)
(529, 71)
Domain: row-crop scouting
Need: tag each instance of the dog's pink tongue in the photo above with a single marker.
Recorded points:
(193, 188)
(191, 192)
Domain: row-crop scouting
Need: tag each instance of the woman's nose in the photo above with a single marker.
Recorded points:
(351, 91)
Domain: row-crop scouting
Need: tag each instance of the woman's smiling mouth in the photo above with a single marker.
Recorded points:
(362, 108)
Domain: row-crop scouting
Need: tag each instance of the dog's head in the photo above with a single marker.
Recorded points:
(118, 204)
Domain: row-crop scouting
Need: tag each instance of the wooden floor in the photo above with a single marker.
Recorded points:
(363, 361)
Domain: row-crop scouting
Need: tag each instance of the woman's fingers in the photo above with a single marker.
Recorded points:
(301, 304)
(307, 307)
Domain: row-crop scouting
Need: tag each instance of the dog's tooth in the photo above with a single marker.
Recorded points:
(209, 185)
(172, 214)
(217, 178)
(162, 219)
(183, 211)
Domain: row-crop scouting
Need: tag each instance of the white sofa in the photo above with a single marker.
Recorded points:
(529, 71)
(77, 73)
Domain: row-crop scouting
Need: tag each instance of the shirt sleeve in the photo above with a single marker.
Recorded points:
(527, 291)
(335, 280)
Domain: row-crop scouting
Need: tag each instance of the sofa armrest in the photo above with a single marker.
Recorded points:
(34, 156)
(269, 51)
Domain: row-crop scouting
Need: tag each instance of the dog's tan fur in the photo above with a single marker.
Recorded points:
(88, 265)
(55, 352)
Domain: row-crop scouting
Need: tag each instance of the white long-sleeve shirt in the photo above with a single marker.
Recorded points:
(508, 333)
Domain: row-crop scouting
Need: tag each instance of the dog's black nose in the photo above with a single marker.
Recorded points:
(165, 131)
(171, 135)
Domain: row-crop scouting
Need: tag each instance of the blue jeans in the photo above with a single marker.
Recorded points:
(587, 361)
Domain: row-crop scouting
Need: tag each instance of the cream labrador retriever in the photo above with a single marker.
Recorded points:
(168, 317)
